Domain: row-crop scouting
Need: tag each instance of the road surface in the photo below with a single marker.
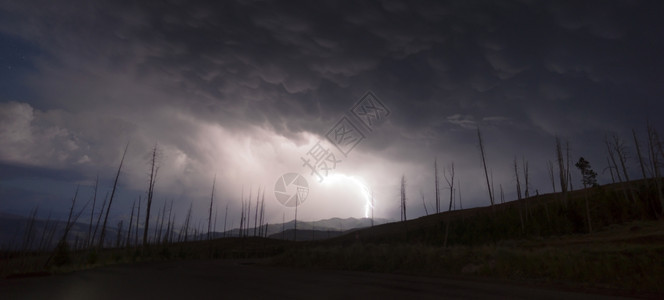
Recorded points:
(224, 279)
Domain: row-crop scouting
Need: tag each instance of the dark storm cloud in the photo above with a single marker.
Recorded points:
(524, 71)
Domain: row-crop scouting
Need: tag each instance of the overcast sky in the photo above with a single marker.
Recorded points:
(246, 89)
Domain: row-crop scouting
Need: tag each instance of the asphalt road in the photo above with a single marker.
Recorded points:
(241, 279)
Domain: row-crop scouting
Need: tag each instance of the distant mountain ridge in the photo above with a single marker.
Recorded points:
(46, 233)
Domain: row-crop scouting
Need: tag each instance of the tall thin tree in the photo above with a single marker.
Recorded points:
(110, 201)
(403, 198)
(435, 170)
(486, 173)
(153, 178)
(92, 212)
(214, 181)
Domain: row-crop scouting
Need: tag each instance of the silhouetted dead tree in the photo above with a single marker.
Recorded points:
(372, 208)
(642, 165)
(518, 194)
(110, 201)
(214, 227)
(169, 227)
(654, 144)
(153, 178)
(570, 186)
(459, 189)
(486, 173)
(450, 184)
(261, 215)
(258, 192)
(610, 150)
(155, 231)
(561, 168)
(426, 211)
(241, 212)
(185, 226)
(131, 222)
(248, 212)
(92, 212)
(297, 203)
(435, 170)
(101, 213)
(62, 245)
(526, 192)
(118, 238)
(214, 181)
(403, 198)
(549, 166)
(160, 221)
(42, 246)
(28, 235)
(502, 194)
(225, 217)
(610, 168)
(138, 218)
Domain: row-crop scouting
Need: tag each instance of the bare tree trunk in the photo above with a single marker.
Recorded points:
(569, 172)
(435, 168)
(262, 215)
(459, 189)
(403, 198)
(161, 223)
(169, 228)
(214, 181)
(297, 203)
(486, 174)
(110, 201)
(450, 184)
(118, 240)
(502, 194)
(225, 217)
(518, 194)
(101, 213)
(615, 166)
(372, 208)
(619, 147)
(42, 246)
(214, 227)
(551, 176)
(526, 193)
(241, 213)
(258, 193)
(153, 178)
(246, 229)
(653, 141)
(561, 168)
(131, 222)
(28, 235)
(610, 167)
(424, 203)
(92, 212)
(638, 154)
(186, 223)
(138, 218)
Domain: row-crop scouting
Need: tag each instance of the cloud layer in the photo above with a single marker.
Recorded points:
(244, 89)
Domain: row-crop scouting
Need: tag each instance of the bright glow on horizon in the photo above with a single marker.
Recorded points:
(342, 179)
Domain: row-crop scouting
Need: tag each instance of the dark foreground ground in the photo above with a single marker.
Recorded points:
(225, 279)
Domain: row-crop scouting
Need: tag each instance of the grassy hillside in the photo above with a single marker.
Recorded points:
(552, 245)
